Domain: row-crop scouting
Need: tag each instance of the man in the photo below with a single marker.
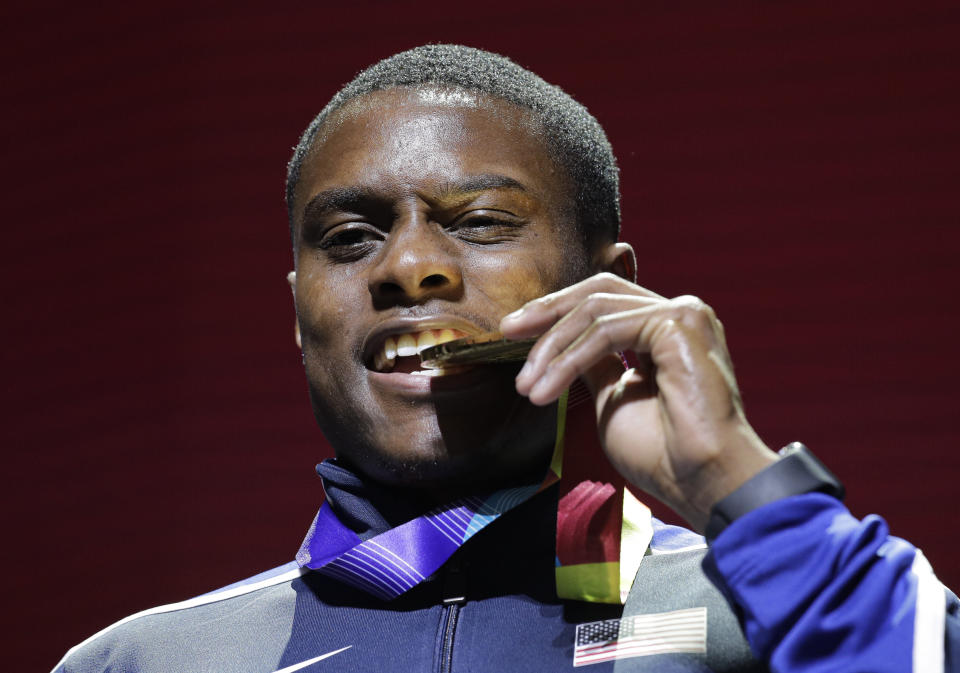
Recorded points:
(444, 193)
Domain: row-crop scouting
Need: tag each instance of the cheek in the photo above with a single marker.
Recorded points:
(323, 311)
(509, 281)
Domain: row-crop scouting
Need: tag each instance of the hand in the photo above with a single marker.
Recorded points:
(674, 426)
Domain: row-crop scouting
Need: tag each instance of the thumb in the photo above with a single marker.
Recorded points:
(611, 384)
(602, 378)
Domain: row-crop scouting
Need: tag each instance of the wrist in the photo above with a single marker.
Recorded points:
(741, 458)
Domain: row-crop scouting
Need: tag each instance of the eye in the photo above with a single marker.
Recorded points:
(487, 226)
(346, 237)
(349, 241)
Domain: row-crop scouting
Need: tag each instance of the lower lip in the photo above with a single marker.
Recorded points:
(416, 385)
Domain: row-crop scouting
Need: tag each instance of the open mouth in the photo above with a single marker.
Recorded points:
(400, 353)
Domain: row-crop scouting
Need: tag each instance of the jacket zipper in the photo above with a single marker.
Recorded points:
(454, 595)
(449, 631)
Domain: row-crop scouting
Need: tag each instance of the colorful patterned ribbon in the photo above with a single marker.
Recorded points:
(602, 530)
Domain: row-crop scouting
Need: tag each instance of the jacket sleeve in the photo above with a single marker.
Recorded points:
(819, 591)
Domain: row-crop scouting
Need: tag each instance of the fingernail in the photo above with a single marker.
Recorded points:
(524, 370)
(514, 315)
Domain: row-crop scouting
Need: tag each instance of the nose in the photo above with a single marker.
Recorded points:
(416, 264)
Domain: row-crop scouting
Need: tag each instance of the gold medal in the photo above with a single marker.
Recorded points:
(489, 348)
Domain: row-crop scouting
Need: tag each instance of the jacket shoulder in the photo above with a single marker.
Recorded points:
(181, 635)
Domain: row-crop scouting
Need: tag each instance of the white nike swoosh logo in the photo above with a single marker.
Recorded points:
(304, 664)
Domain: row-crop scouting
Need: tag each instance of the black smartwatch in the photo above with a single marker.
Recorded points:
(798, 471)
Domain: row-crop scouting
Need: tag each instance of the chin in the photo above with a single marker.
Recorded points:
(478, 461)
(443, 445)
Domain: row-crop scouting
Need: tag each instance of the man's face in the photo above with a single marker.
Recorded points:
(426, 214)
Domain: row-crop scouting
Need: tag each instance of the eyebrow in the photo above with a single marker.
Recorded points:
(479, 183)
(353, 198)
(340, 199)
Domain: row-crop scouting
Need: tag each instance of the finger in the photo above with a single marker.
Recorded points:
(606, 335)
(569, 328)
(639, 330)
(536, 317)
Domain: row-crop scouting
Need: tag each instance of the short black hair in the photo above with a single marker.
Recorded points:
(571, 133)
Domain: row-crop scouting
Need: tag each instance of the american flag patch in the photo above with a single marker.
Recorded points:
(641, 635)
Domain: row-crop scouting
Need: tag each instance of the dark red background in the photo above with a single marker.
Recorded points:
(795, 164)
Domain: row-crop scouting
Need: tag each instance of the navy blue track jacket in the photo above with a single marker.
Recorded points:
(812, 588)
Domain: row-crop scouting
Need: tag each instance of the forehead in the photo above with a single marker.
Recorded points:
(418, 137)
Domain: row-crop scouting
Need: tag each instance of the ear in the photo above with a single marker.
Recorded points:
(292, 280)
(618, 258)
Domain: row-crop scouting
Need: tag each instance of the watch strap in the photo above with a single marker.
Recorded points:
(798, 471)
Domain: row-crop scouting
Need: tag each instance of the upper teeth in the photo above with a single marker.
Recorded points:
(411, 344)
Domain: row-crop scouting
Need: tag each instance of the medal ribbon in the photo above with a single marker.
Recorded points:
(602, 530)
